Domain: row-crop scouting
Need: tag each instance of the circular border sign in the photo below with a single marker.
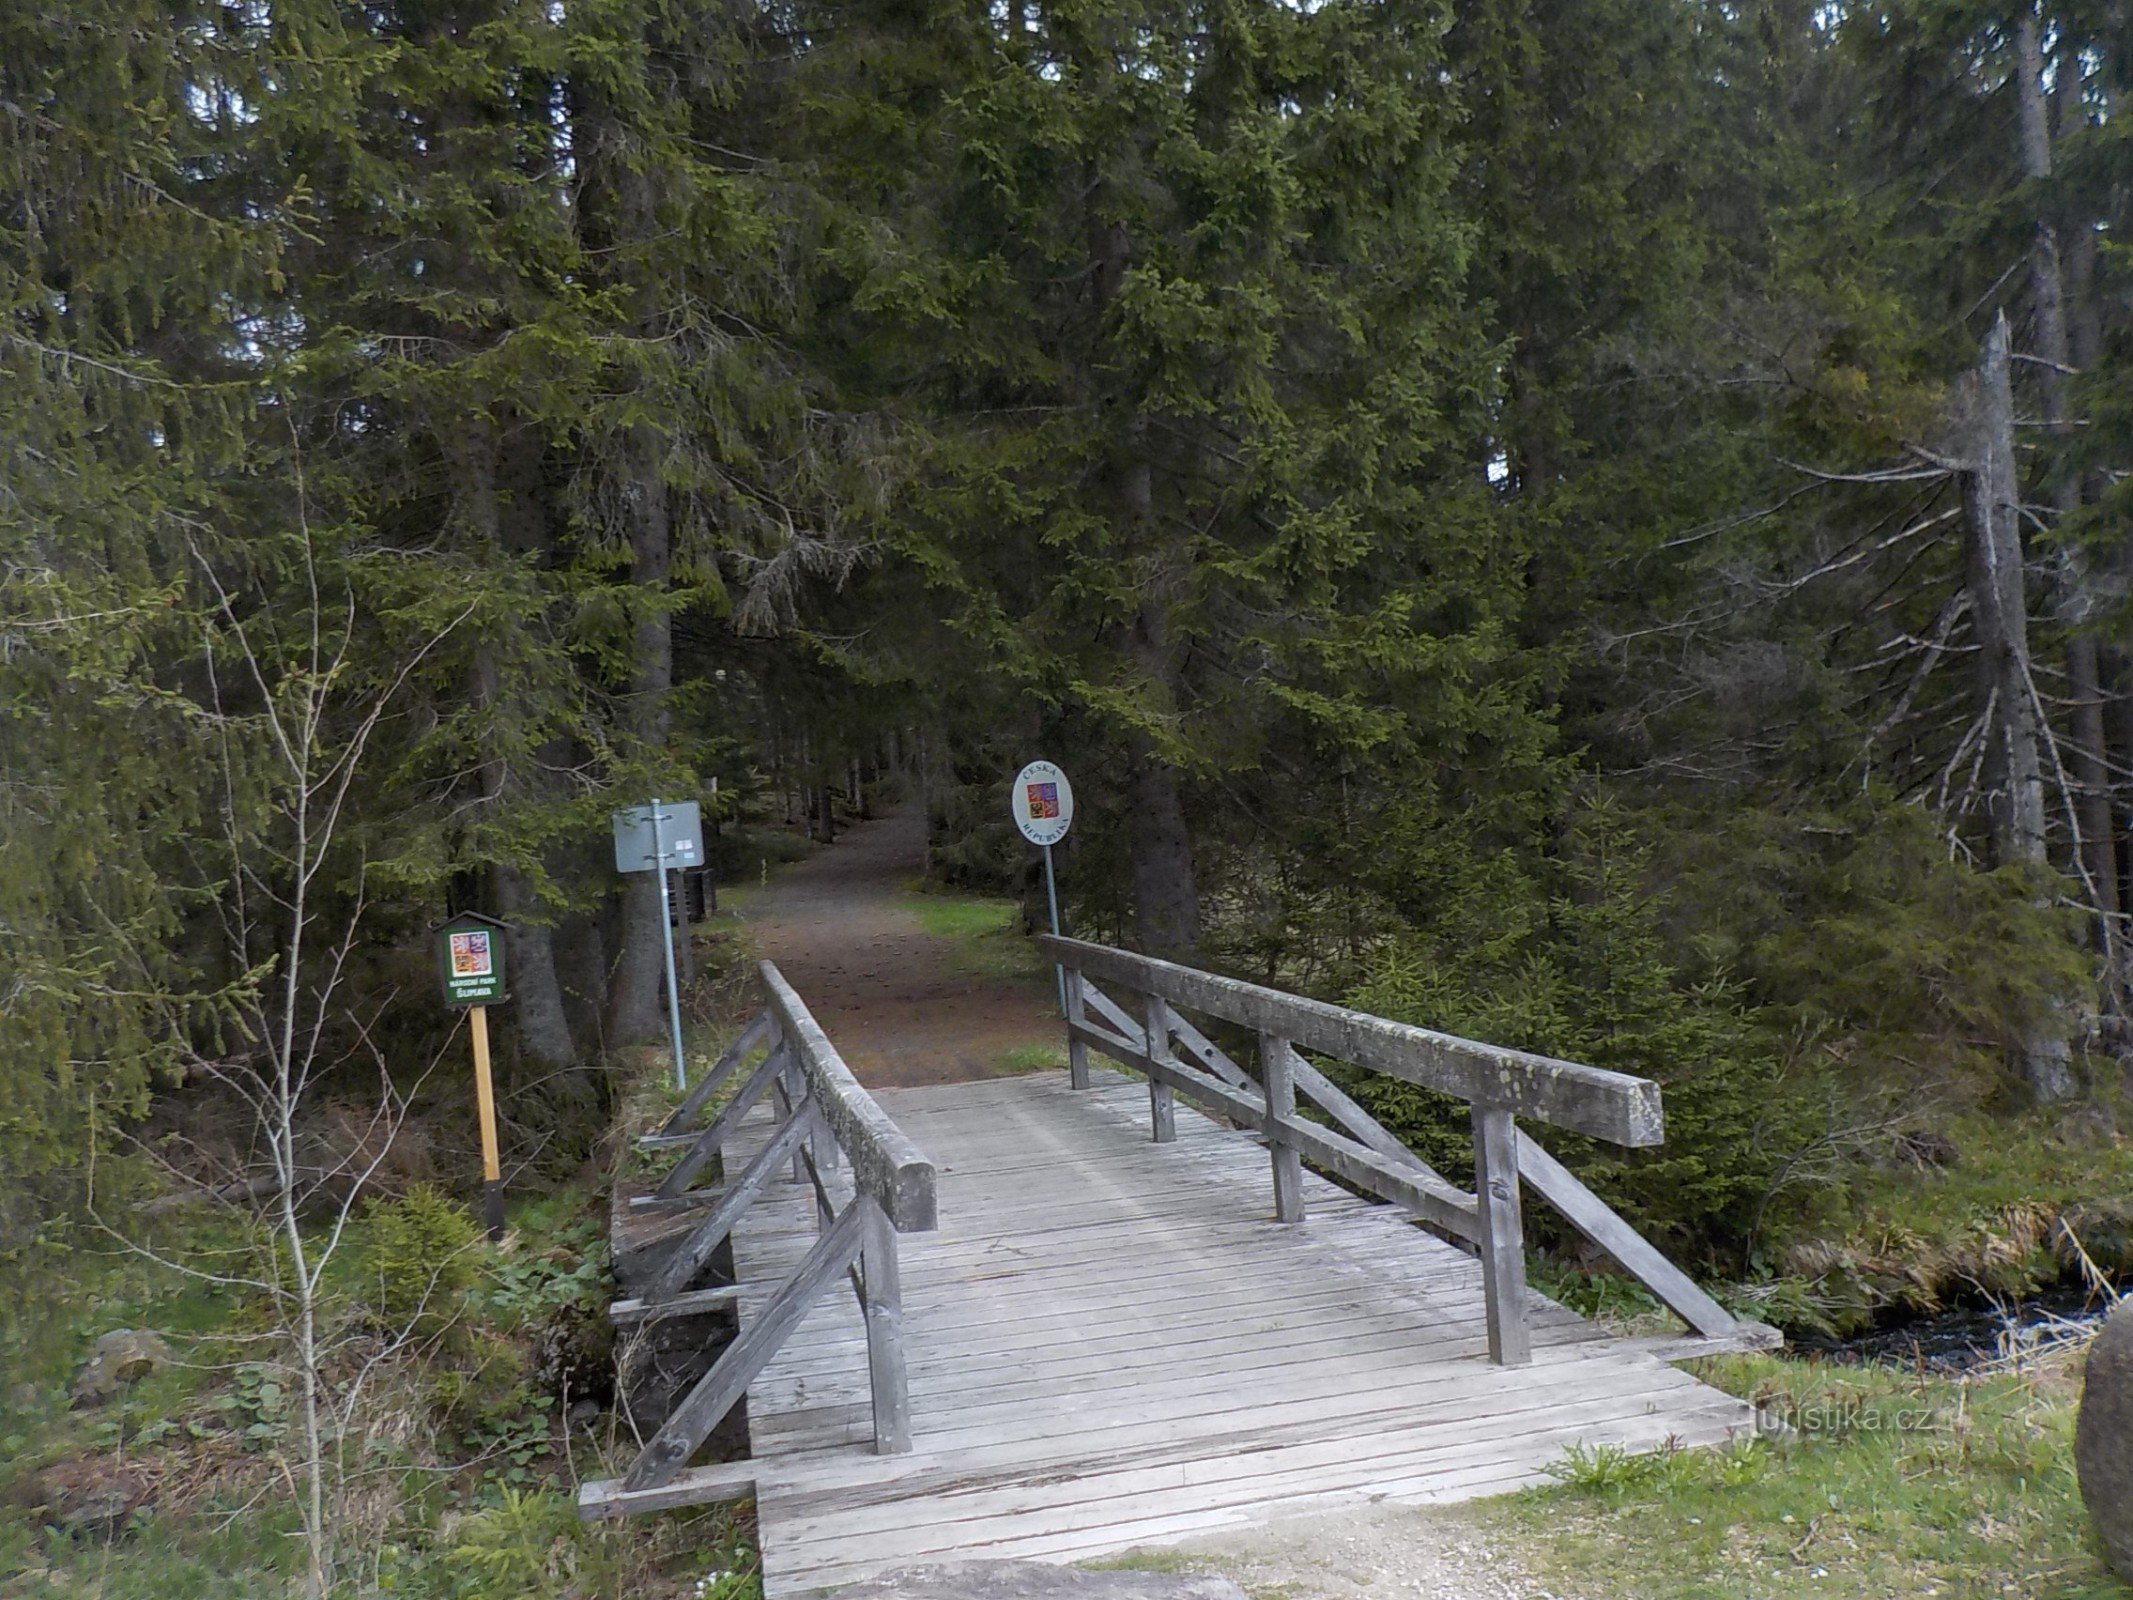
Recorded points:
(1043, 803)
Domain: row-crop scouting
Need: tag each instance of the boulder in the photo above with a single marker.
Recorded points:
(1035, 1580)
(2103, 1438)
(120, 1357)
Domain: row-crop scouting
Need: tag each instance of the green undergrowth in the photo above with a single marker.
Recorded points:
(454, 1471)
(984, 935)
(1889, 1484)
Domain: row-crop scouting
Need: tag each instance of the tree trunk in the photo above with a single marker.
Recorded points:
(1166, 899)
(640, 965)
(2096, 850)
(617, 211)
(1999, 611)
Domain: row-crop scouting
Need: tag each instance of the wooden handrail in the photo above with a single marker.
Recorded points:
(1607, 1105)
(822, 1115)
(1499, 1084)
(886, 1165)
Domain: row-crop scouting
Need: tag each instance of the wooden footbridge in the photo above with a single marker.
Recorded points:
(1081, 1320)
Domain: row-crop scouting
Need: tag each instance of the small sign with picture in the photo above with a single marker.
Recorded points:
(470, 960)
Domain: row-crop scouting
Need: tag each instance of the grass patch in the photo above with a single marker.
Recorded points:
(984, 936)
(1994, 1221)
(1892, 1486)
(1033, 1058)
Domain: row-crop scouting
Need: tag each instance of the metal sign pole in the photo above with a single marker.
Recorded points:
(1051, 895)
(666, 934)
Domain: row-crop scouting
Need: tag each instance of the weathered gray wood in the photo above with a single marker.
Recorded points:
(883, 1303)
(1354, 1120)
(1420, 1192)
(706, 1405)
(1591, 1216)
(1077, 1051)
(1275, 1057)
(1112, 1014)
(693, 1103)
(885, 1163)
(605, 1497)
(1607, 1105)
(1074, 1371)
(629, 1313)
(694, 1200)
(712, 1139)
(693, 1254)
(1209, 1054)
(1162, 1105)
(1503, 1236)
(789, 1093)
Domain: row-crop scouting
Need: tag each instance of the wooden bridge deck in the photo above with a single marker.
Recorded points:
(1111, 1343)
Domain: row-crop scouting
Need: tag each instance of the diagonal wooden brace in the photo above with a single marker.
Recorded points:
(692, 1107)
(717, 1391)
(693, 1254)
(709, 1142)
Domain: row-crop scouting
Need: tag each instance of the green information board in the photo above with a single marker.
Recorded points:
(470, 959)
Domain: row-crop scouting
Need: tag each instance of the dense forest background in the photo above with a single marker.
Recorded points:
(1600, 525)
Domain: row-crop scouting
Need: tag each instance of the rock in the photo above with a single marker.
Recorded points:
(1035, 1580)
(120, 1357)
(101, 1508)
(2103, 1438)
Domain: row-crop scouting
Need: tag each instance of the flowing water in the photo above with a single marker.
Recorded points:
(1952, 1342)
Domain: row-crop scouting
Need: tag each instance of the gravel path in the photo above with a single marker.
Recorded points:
(1390, 1553)
(890, 995)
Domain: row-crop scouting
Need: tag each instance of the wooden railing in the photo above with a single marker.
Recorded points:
(1499, 1085)
(824, 1120)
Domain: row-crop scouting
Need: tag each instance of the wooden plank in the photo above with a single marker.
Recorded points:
(1591, 1216)
(712, 1139)
(888, 1383)
(1359, 1124)
(604, 1498)
(1591, 1100)
(1503, 1239)
(693, 1103)
(715, 1394)
(1274, 1059)
(693, 1254)
(629, 1313)
(885, 1163)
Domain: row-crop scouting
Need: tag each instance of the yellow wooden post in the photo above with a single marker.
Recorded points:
(492, 1172)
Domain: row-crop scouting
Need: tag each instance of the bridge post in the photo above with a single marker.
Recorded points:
(1503, 1238)
(881, 1283)
(1280, 1082)
(1077, 1049)
(1162, 1104)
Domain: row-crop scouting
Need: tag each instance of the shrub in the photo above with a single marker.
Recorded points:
(418, 1260)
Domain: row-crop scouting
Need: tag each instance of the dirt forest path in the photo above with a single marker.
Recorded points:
(901, 1004)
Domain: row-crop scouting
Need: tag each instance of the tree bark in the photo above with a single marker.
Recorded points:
(476, 450)
(1999, 612)
(1166, 899)
(617, 208)
(2096, 849)
(633, 1005)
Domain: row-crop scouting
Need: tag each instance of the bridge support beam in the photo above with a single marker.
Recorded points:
(1276, 1062)
(1162, 1102)
(1503, 1235)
